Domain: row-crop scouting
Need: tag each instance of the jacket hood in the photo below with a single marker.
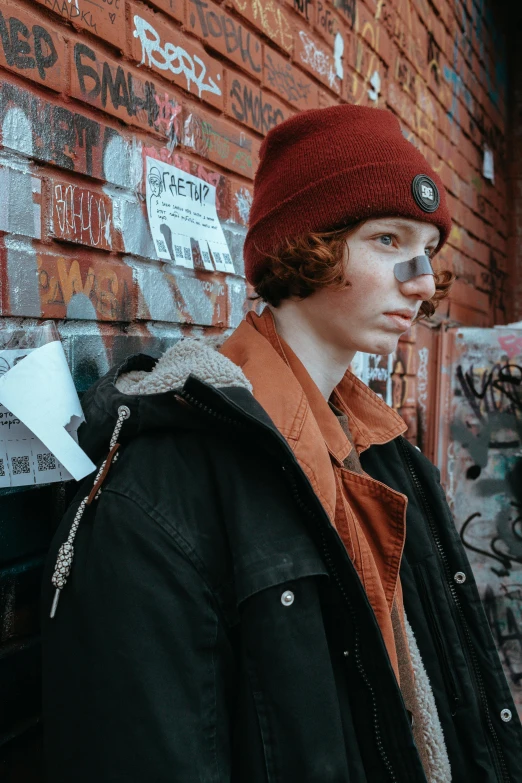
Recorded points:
(188, 357)
(147, 387)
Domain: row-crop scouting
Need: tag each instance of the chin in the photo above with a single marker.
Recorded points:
(382, 345)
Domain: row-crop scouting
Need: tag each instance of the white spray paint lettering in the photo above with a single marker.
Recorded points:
(319, 61)
(213, 288)
(172, 58)
(79, 211)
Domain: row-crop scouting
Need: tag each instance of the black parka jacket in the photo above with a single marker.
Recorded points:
(214, 630)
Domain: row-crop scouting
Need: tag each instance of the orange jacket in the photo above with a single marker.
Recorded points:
(369, 516)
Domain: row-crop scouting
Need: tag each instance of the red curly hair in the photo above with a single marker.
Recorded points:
(317, 260)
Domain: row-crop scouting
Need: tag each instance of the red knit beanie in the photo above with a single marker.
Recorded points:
(323, 169)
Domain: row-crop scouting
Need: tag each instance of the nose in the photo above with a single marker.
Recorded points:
(421, 287)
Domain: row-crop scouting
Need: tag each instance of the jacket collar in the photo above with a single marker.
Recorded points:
(285, 389)
(257, 349)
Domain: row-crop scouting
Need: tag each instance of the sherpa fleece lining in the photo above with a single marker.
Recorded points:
(201, 358)
(193, 356)
(418, 697)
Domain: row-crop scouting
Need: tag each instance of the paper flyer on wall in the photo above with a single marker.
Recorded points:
(183, 219)
(23, 457)
(38, 423)
(376, 372)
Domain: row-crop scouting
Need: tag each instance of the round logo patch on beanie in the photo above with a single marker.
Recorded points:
(425, 193)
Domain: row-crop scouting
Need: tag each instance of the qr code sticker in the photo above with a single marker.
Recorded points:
(217, 256)
(179, 251)
(46, 462)
(188, 254)
(2, 467)
(206, 257)
(227, 258)
(162, 247)
(20, 465)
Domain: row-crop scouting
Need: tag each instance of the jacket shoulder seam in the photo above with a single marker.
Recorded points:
(181, 543)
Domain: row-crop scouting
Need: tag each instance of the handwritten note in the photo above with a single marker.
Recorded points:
(183, 219)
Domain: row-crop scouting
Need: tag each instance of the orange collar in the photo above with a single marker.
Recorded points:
(282, 384)
(288, 394)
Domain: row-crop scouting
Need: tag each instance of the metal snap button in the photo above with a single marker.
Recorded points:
(346, 653)
(506, 715)
(287, 599)
(460, 577)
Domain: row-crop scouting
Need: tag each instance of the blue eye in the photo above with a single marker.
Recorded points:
(386, 239)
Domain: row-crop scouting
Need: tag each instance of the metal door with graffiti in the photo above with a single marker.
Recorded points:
(479, 451)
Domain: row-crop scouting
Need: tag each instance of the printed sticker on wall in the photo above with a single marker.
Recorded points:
(183, 219)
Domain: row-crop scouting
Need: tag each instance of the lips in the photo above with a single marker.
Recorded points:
(407, 314)
(402, 319)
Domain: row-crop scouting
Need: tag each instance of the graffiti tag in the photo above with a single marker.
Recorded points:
(82, 216)
(37, 51)
(105, 83)
(491, 390)
(348, 8)
(172, 58)
(235, 37)
(252, 108)
(319, 61)
(282, 79)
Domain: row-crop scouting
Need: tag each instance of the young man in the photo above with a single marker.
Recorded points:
(267, 585)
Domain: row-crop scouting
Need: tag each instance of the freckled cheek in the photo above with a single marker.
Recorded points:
(372, 282)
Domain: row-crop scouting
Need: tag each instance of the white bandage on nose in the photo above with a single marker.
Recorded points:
(406, 270)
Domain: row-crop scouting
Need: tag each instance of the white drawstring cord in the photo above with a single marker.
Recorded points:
(65, 556)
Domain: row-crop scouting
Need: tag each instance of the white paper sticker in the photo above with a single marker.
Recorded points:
(488, 168)
(183, 219)
(39, 415)
(375, 87)
(338, 55)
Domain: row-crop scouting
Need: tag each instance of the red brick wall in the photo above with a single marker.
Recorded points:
(88, 90)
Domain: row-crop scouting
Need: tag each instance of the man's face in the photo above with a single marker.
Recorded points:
(372, 313)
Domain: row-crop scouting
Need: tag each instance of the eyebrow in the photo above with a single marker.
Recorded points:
(398, 223)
